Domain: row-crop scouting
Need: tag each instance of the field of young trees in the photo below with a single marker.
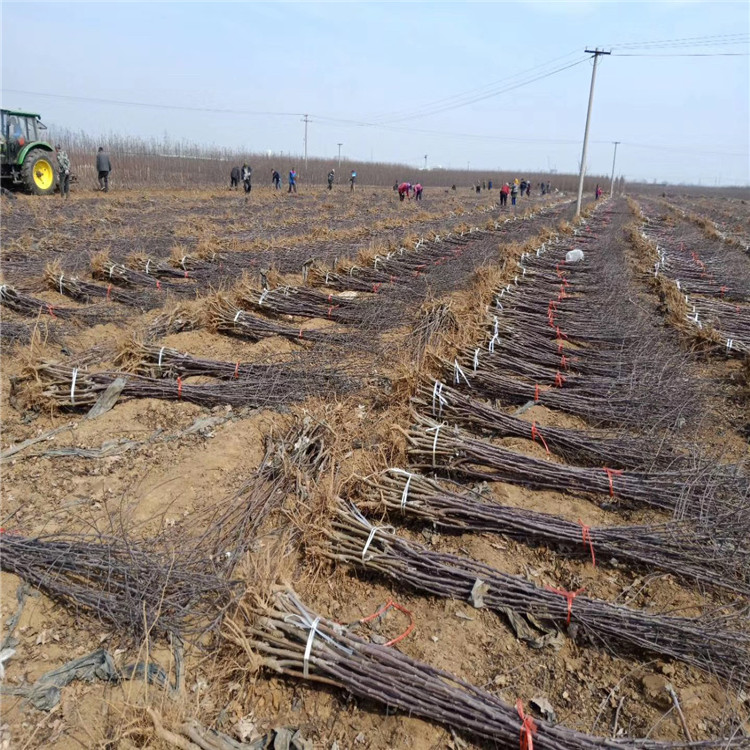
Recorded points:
(332, 470)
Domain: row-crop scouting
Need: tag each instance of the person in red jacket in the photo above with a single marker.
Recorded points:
(504, 193)
(403, 191)
(418, 192)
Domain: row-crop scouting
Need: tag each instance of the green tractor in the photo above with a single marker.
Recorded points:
(26, 161)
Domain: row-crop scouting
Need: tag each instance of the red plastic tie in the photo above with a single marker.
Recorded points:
(158, 284)
(560, 334)
(300, 333)
(536, 393)
(186, 275)
(330, 297)
(109, 289)
(559, 380)
(528, 727)
(586, 533)
(375, 288)
(237, 370)
(179, 387)
(569, 595)
(51, 311)
(536, 434)
(564, 361)
(390, 604)
(610, 473)
(722, 290)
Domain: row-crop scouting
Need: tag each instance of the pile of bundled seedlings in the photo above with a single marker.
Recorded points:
(86, 291)
(714, 642)
(64, 387)
(224, 317)
(702, 265)
(583, 447)
(176, 582)
(168, 584)
(106, 270)
(16, 332)
(349, 308)
(287, 638)
(592, 353)
(158, 268)
(714, 555)
(26, 305)
(706, 490)
(308, 368)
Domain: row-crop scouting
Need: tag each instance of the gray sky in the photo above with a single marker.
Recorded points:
(386, 79)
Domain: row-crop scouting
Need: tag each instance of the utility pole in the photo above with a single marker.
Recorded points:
(596, 53)
(339, 145)
(614, 157)
(306, 120)
(425, 161)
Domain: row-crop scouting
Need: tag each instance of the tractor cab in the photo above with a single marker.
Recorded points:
(25, 158)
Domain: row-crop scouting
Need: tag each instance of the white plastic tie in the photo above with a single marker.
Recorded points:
(262, 297)
(161, 353)
(729, 344)
(491, 345)
(61, 281)
(73, 386)
(239, 312)
(437, 396)
(374, 530)
(182, 262)
(476, 359)
(436, 430)
(148, 265)
(458, 373)
(308, 647)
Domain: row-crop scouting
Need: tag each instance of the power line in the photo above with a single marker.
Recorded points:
(681, 54)
(470, 92)
(694, 41)
(181, 107)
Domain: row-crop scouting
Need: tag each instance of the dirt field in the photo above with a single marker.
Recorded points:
(549, 458)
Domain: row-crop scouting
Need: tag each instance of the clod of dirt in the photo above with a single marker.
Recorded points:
(655, 690)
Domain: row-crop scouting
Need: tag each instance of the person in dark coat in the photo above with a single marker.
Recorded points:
(234, 177)
(103, 168)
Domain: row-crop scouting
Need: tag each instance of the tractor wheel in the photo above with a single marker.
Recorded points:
(39, 172)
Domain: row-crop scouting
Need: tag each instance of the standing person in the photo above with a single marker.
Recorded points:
(403, 191)
(489, 184)
(598, 192)
(528, 188)
(292, 180)
(276, 179)
(103, 167)
(418, 192)
(479, 188)
(247, 177)
(513, 194)
(234, 178)
(504, 191)
(331, 177)
(63, 168)
(353, 179)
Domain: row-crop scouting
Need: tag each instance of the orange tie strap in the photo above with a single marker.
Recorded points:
(390, 604)
(237, 370)
(109, 289)
(158, 284)
(536, 434)
(536, 393)
(51, 311)
(569, 595)
(300, 333)
(586, 534)
(528, 727)
(560, 347)
(564, 362)
(179, 387)
(722, 290)
(330, 297)
(559, 380)
(610, 474)
(375, 288)
(186, 275)
(560, 334)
